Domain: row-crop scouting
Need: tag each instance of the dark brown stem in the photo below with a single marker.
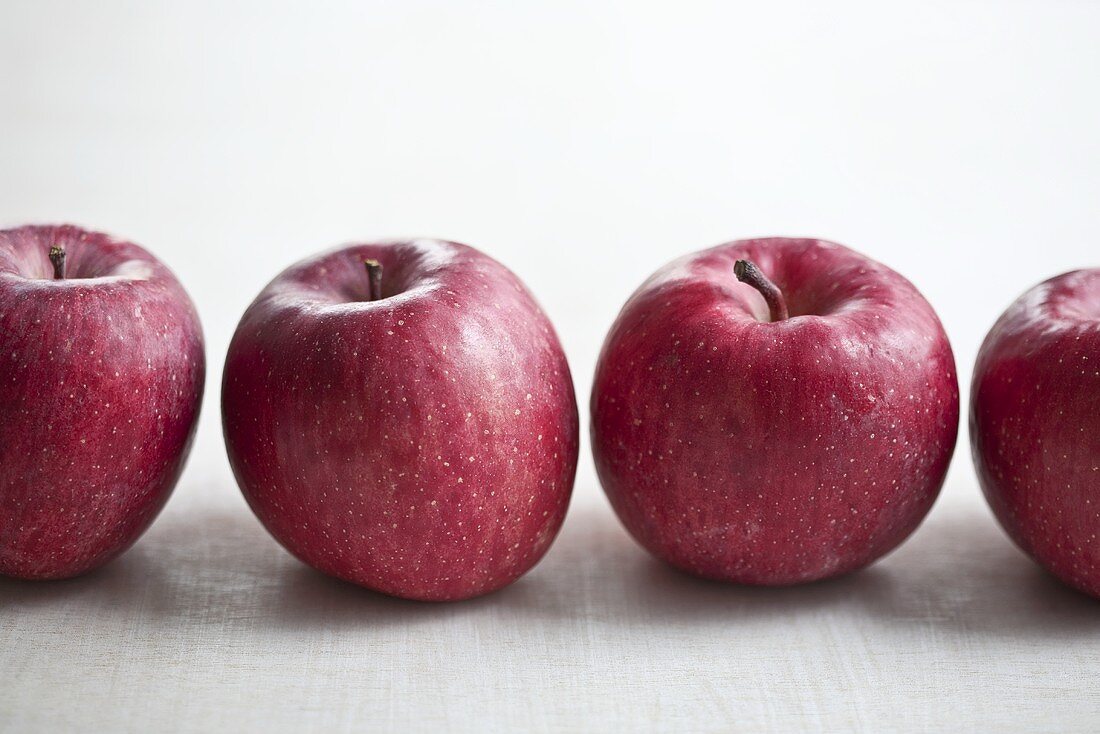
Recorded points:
(748, 273)
(374, 273)
(57, 257)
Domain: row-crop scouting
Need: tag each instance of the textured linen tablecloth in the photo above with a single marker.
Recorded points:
(208, 625)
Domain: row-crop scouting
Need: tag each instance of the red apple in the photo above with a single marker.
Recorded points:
(793, 427)
(101, 378)
(1035, 425)
(401, 415)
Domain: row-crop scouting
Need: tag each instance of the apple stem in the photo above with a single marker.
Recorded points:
(749, 274)
(374, 273)
(57, 257)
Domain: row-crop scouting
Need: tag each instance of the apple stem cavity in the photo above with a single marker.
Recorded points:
(749, 274)
(57, 257)
(374, 273)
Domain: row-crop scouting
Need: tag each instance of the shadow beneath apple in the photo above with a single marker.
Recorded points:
(961, 571)
(958, 571)
(309, 600)
(111, 581)
(218, 567)
(187, 564)
(597, 571)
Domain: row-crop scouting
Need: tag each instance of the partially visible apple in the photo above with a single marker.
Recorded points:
(791, 427)
(1035, 425)
(101, 378)
(401, 415)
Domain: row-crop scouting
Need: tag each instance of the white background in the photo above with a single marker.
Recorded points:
(583, 144)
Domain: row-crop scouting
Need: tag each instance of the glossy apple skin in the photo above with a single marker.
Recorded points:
(1035, 425)
(755, 452)
(101, 379)
(423, 445)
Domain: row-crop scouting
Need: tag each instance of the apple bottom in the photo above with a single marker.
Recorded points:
(421, 546)
(751, 537)
(60, 542)
(1037, 455)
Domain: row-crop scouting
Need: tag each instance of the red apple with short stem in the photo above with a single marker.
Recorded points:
(101, 379)
(1035, 425)
(791, 427)
(401, 415)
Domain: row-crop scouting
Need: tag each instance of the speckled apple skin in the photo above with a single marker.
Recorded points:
(1035, 425)
(774, 453)
(101, 379)
(423, 445)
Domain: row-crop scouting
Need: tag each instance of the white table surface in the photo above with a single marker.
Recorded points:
(208, 625)
(583, 144)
